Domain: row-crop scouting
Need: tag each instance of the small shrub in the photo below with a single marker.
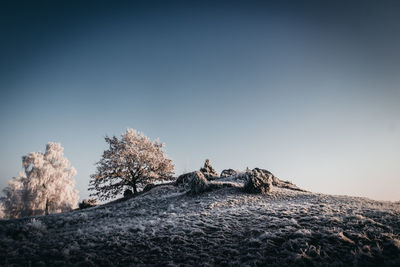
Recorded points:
(88, 203)
(128, 193)
(35, 227)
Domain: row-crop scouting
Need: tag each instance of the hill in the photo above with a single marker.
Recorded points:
(225, 226)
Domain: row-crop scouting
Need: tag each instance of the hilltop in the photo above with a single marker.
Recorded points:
(225, 226)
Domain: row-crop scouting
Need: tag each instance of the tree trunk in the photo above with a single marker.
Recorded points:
(134, 187)
(46, 212)
(134, 181)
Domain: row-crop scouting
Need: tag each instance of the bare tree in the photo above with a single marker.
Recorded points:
(131, 162)
(45, 186)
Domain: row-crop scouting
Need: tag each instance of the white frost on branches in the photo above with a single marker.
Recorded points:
(45, 186)
(130, 163)
(2, 215)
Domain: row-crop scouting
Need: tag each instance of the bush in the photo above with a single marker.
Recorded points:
(88, 203)
(35, 227)
(128, 193)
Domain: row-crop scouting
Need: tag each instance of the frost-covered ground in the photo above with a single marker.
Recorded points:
(165, 226)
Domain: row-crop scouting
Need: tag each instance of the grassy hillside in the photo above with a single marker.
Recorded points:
(166, 226)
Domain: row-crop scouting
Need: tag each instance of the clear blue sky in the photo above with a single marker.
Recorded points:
(308, 91)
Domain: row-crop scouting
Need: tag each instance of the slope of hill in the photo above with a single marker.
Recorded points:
(166, 226)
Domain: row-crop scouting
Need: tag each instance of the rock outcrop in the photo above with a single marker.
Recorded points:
(268, 175)
(198, 183)
(184, 179)
(257, 182)
(228, 173)
(208, 171)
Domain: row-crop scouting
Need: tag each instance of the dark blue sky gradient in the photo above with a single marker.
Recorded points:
(307, 90)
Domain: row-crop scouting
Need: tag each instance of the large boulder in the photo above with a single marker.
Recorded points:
(198, 183)
(228, 173)
(267, 174)
(257, 182)
(208, 171)
(184, 179)
(275, 181)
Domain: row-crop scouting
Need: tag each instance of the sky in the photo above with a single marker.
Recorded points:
(309, 91)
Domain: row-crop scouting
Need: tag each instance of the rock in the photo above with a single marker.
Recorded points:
(257, 182)
(262, 171)
(184, 178)
(289, 185)
(275, 181)
(198, 183)
(208, 171)
(268, 175)
(228, 173)
(88, 203)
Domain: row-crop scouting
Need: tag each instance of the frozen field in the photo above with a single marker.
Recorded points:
(165, 226)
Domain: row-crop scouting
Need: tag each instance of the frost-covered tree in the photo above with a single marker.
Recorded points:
(45, 186)
(131, 162)
(2, 215)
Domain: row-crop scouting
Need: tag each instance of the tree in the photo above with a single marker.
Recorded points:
(1, 211)
(45, 186)
(131, 162)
